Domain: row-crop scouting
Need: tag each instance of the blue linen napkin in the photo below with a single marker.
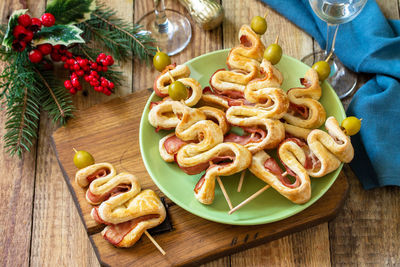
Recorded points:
(370, 44)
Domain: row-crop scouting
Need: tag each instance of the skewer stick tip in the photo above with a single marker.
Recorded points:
(224, 192)
(241, 181)
(265, 15)
(329, 56)
(158, 49)
(155, 243)
(170, 75)
(256, 194)
(74, 150)
(277, 39)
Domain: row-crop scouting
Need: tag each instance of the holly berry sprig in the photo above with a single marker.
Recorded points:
(78, 66)
(27, 27)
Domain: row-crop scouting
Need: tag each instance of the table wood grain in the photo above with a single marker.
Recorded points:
(40, 226)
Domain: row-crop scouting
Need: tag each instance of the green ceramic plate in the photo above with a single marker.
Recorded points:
(270, 206)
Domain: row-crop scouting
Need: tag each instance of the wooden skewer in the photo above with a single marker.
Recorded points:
(241, 181)
(224, 192)
(170, 75)
(329, 56)
(284, 173)
(74, 150)
(155, 242)
(277, 39)
(265, 15)
(249, 199)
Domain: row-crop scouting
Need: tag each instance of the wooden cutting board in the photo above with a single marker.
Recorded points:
(110, 131)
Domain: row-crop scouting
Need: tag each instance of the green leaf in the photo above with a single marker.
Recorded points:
(71, 11)
(59, 34)
(12, 22)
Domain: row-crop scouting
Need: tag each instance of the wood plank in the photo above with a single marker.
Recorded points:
(58, 234)
(289, 251)
(17, 185)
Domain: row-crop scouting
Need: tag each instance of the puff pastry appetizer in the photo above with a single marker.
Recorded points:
(304, 109)
(126, 210)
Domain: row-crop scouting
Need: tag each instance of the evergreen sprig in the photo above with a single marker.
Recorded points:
(122, 39)
(23, 106)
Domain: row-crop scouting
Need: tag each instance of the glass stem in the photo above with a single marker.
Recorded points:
(159, 9)
(331, 38)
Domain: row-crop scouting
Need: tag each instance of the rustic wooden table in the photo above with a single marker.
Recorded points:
(40, 225)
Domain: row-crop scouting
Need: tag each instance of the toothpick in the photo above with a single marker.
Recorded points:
(241, 181)
(158, 50)
(284, 173)
(155, 242)
(75, 150)
(170, 75)
(277, 39)
(329, 56)
(224, 192)
(265, 15)
(249, 199)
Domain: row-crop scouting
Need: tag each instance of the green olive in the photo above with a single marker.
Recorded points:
(351, 125)
(323, 69)
(83, 159)
(177, 91)
(273, 53)
(161, 60)
(259, 25)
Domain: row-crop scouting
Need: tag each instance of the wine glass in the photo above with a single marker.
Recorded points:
(335, 12)
(170, 29)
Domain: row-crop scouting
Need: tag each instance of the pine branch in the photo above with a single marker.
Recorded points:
(22, 97)
(54, 98)
(122, 39)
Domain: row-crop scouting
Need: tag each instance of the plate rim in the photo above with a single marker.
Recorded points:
(253, 221)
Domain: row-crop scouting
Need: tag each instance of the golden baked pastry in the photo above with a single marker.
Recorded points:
(243, 63)
(125, 209)
(179, 73)
(322, 154)
(304, 109)
(263, 133)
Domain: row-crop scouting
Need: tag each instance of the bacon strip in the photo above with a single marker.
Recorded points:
(115, 233)
(98, 174)
(113, 192)
(234, 98)
(196, 169)
(298, 109)
(173, 144)
(259, 135)
(271, 165)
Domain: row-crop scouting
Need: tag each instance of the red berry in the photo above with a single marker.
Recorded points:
(102, 56)
(68, 84)
(72, 91)
(48, 19)
(87, 78)
(18, 45)
(64, 58)
(19, 32)
(80, 72)
(86, 68)
(45, 49)
(94, 73)
(74, 75)
(56, 47)
(75, 82)
(35, 56)
(109, 60)
(104, 68)
(107, 92)
(76, 67)
(97, 88)
(36, 24)
(93, 66)
(104, 83)
(79, 87)
(66, 66)
(68, 54)
(70, 61)
(24, 20)
(57, 57)
(96, 83)
(111, 85)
